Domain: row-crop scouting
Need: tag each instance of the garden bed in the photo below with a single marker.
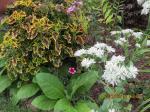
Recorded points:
(75, 56)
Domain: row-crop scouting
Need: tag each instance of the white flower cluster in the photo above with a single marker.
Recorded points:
(121, 41)
(128, 31)
(87, 62)
(146, 6)
(99, 50)
(115, 70)
(125, 31)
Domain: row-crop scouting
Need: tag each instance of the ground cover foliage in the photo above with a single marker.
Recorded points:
(76, 56)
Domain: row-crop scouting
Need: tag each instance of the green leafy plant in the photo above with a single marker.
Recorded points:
(115, 98)
(58, 97)
(63, 98)
(111, 11)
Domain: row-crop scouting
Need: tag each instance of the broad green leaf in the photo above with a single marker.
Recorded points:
(43, 103)
(14, 99)
(2, 63)
(27, 91)
(50, 85)
(63, 105)
(5, 82)
(82, 107)
(84, 82)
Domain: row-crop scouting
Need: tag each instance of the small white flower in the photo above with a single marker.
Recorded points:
(80, 52)
(87, 62)
(138, 45)
(140, 2)
(148, 42)
(99, 53)
(133, 71)
(126, 31)
(92, 50)
(121, 41)
(99, 50)
(138, 34)
(110, 49)
(146, 7)
(118, 59)
(100, 45)
(111, 110)
(115, 32)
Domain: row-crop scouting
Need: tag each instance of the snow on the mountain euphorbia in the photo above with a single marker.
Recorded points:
(99, 50)
(128, 31)
(125, 34)
(115, 70)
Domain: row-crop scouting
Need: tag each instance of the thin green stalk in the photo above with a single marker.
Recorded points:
(148, 25)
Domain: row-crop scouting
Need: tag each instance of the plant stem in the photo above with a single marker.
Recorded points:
(148, 25)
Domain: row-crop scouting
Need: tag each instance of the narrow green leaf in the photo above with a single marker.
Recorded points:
(43, 103)
(143, 103)
(145, 108)
(145, 71)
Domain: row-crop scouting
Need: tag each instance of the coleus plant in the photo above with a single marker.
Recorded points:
(39, 33)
